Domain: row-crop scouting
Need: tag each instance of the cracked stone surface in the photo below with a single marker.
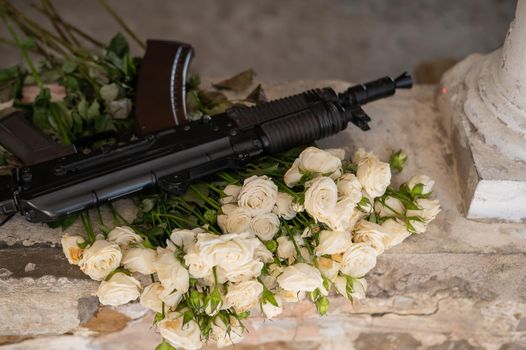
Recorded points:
(461, 285)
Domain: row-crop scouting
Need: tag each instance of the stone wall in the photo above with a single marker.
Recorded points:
(461, 285)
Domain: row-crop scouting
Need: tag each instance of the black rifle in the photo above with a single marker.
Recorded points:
(170, 156)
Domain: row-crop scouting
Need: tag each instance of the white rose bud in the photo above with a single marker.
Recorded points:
(349, 186)
(124, 236)
(421, 179)
(358, 286)
(417, 226)
(321, 198)
(394, 233)
(293, 175)
(390, 207)
(284, 208)
(100, 259)
(271, 310)
(171, 273)
(301, 277)
(374, 175)
(119, 290)
(370, 233)
(328, 267)
(429, 210)
(359, 259)
(225, 335)
(150, 297)
(286, 249)
(179, 336)
(71, 249)
(237, 221)
(171, 299)
(315, 160)
(243, 296)
(258, 195)
(333, 242)
(139, 260)
(265, 226)
(231, 192)
(337, 152)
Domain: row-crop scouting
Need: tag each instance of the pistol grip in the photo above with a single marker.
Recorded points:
(28, 143)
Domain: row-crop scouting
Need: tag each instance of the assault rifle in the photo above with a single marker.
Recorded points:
(170, 151)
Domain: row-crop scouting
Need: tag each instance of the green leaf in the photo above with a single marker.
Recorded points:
(65, 222)
(417, 189)
(164, 346)
(2, 159)
(8, 74)
(104, 123)
(187, 317)
(28, 43)
(268, 296)
(238, 83)
(41, 109)
(271, 245)
(118, 45)
(257, 95)
(69, 67)
(210, 216)
(158, 317)
(193, 82)
(93, 110)
(193, 104)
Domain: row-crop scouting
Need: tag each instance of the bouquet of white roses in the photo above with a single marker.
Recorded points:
(282, 230)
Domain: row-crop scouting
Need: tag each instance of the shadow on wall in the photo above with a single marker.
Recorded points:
(307, 39)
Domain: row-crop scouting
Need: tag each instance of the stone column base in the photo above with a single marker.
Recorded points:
(492, 178)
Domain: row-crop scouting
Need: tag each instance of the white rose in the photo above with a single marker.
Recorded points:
(349, 186)
(100, 259)
(231, 192)
(374, 175)
(288, 296)
(263, 254)
(226, 251)
(179, 336)
(183, 237)
(271, 310)
(390, 207)
(315, 160)
(197, 267)
(328, 267)
(301, 277)
(358, 287)
(71, 249)
(171, 273)
(321, 198)
(429, 209)
(284, 208)
(124, 236)
(139, 260)
(239, 273)
(150, 297)
(225, 335)
(333, 242)
(265, 226)
(243, 296)
(286, 249)
(344, 216)
(361, 154)
(394, 233)
(171, 299)
(337, 152)
(417, 226)
(293, 175)
(421, 179)
(359, 259)
(370, 233)
(119, 290)
(258, 195)
(237, 221)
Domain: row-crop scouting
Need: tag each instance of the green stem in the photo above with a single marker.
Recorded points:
(117, 217)
(208, 200)
(291, 237)
(121, 22)
(86, 222)
(23, 50)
